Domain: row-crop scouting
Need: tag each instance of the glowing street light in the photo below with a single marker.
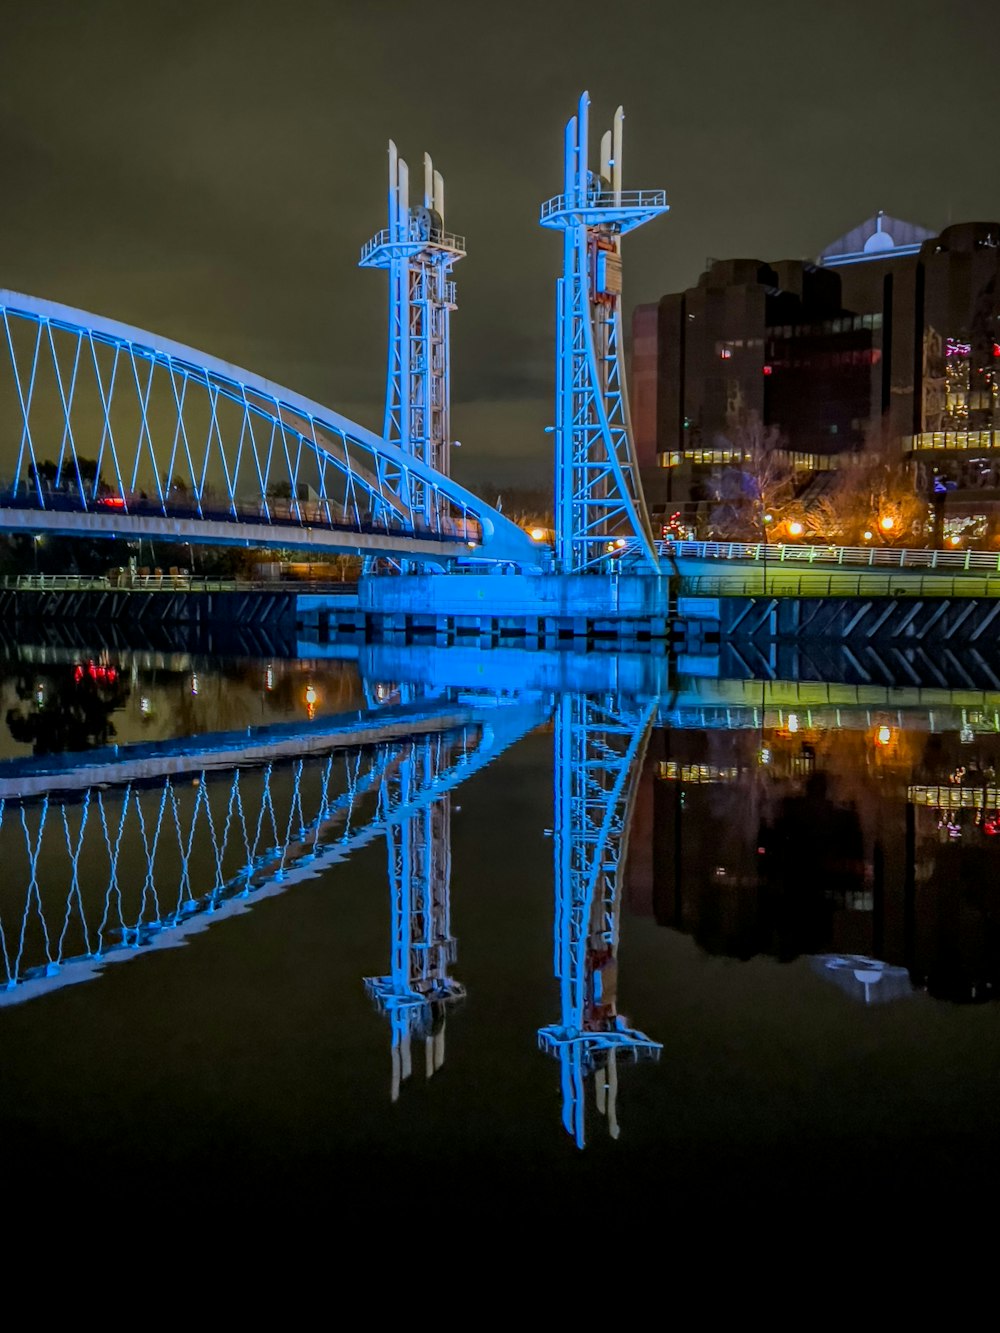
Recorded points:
(887, 523)
(311, 697)
(884, 735)
(537, 534)
(867, 535)
(795, 528)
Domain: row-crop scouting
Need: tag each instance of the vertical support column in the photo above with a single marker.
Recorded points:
(600, 507)
(419, 256)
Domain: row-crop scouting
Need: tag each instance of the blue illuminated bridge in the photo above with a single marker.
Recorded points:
(116, 432)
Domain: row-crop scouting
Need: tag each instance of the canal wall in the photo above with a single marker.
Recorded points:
(249, 607)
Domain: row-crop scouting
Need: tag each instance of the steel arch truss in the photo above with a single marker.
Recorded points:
(599, 749)
(118, 432)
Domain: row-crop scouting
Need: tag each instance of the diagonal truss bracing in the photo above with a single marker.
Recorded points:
(111, 429)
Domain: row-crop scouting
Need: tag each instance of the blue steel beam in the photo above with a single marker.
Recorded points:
(127, 432)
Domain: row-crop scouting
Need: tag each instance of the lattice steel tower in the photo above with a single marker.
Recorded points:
(599, 499)
(419, 256)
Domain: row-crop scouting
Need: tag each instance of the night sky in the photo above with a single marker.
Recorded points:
(210, 171)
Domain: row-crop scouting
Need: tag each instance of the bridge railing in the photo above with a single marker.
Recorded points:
(794, 583)
(624, 199)
(874, 557)
(179, 582)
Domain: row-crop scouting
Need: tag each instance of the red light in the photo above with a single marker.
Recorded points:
(78, 673)
(767, 370)
(996, 349)
(114, 501)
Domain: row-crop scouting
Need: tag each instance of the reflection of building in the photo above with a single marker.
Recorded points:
(816, 840)
(891, 324)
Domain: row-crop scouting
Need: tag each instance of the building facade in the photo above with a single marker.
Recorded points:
(890, 339)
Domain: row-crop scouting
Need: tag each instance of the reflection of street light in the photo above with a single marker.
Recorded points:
(311, 696)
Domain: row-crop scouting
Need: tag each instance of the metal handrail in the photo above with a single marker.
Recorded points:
(165, 583)
(883, 557)
(837, 585)
(445, 240)
(629, 199)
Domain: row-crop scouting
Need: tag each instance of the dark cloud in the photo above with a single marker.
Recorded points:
(211, 170)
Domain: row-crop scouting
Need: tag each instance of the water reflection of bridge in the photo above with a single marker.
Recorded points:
(111, 852)
(105, 851)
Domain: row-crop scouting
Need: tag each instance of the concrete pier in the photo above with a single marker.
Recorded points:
(625, 607)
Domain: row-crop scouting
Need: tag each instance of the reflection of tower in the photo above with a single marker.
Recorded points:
(418, 989)
(419, 255)
(598, 491)
(598, 758)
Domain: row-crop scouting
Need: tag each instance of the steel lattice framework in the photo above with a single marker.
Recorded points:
(599, 749)
(118, 432)
(418, 255)
(599, 498)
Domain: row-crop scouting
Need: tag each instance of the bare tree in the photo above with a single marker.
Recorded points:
(874, 499)
(754, 496)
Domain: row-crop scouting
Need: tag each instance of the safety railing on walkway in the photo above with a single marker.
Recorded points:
(793, 583)
(166, 583)
(874, 557)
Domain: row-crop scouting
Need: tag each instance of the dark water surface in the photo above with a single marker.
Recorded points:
(803, 947)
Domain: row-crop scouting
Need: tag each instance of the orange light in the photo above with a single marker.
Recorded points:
(537, 534)
(311, 697)
(955, 541)
(883, 736)
(887, 523)
(795, 528)
(867, 535)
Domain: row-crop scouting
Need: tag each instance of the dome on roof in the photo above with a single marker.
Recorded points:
(878, 241)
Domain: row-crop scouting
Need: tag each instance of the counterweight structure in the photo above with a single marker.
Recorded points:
(599, 748)
(599, 505)
(418, 255)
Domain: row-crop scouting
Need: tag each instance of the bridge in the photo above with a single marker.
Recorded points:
(121, 433)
